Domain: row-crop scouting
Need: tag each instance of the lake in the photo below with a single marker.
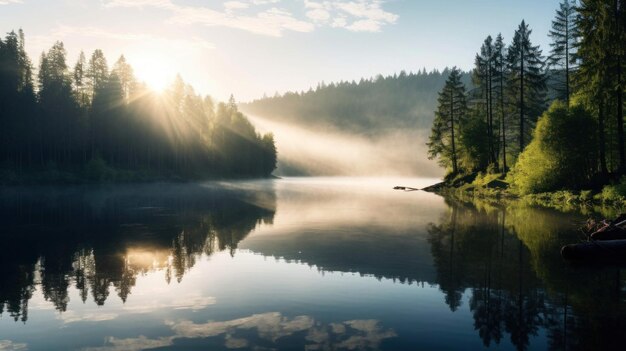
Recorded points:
(294, 264)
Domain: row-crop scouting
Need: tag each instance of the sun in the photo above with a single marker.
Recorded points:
(156, 72)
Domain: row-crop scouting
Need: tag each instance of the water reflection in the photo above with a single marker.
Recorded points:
(95, 239)
(330, 265)
(508, 259)
(263, 331)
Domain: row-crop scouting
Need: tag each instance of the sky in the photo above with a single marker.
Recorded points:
(249, 48)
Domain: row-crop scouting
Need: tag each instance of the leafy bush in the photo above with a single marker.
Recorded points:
(473, 145)
(614, 192)
(97, 170)
(562, 153)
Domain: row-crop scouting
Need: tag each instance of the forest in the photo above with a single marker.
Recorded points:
(370, 106)
(94, 122)
(543, 122)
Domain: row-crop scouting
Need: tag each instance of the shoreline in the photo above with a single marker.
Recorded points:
(495, 191)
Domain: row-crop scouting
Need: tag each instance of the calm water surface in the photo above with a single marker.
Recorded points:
(294, 264)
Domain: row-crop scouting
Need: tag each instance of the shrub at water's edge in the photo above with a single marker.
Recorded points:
(561, 154)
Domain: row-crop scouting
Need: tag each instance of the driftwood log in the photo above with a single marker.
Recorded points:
(405, 188)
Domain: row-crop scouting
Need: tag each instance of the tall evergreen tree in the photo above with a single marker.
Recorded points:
(564, 34)
(80, 81)
(483, 79)
(25, 66)
(97, 72)
(527, 82)
(499, 76)
(448, 117)
(125, 73)
(171, 133)
(602, 28)
(57, 103)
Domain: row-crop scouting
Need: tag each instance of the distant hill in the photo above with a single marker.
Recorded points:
(376, 126)
(370, 106)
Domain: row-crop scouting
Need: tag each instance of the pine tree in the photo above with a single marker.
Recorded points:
(97, 73)
(80, 81)
(25, 67)
(564, 34)
(483, 79)
(602, 28)
(448, 117)
(500, 75)
(527, 81)
(125, 73)
(57, 103)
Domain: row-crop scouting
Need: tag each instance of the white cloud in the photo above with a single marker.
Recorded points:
(8, 345)
(370, 10)
(96, 316)
(193, 302)
(165, 4)
(271, 326)
(7, 2)
(355, 15)
(270, 22)
(364, 26)
(63, 32)
(318, 15)
(132, 344)
(264, 2)
(339, 22)
(235, 5)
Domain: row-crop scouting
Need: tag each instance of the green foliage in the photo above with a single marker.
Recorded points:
(473, 144)
(564, 34)
(97, 170)
(368, 106)
(600, 76)
(615, 193)
(562, 153)
(526, 82)
(103, 125)
(449, 116)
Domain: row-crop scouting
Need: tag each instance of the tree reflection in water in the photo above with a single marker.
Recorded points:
(507, 258)
(95, 239)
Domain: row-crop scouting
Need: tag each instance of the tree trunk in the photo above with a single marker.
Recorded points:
(454, 164)
(521, 110)
(602, 139)
(504, 170)
(567, 58)
(619, 92)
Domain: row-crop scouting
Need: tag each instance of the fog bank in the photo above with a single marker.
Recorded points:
(316, 151)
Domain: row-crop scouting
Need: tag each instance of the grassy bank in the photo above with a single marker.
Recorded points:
(495, 188)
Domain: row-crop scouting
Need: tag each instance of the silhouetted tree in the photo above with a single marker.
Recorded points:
(450, 113)
(527, 82)
(564, 34)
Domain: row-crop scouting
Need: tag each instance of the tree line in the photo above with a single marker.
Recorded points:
(554, 121)
(369, 106)
(94, 120)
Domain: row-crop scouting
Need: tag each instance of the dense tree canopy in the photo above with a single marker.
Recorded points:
(98, 122)
(369, 106)
(579, 142)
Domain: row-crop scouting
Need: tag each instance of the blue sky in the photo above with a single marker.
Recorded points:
(252, 47)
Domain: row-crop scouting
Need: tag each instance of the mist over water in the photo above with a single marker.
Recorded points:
(325, 151)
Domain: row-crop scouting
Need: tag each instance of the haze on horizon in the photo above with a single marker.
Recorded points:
(255, 47)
